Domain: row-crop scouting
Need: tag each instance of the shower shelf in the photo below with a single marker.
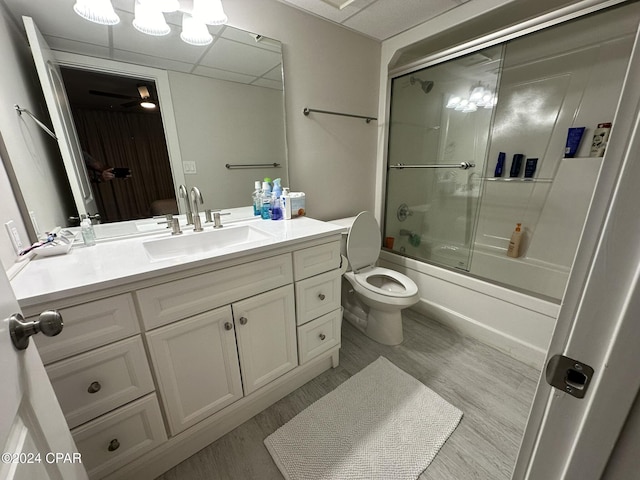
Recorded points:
(518, 180)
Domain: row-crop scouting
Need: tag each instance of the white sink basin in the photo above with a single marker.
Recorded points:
(207, 242)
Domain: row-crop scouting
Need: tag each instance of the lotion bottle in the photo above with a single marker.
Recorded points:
(514, 243)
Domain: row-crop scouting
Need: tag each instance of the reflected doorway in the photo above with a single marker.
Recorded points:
(123, 143)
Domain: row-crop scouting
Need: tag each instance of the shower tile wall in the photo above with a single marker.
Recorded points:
(558, 78)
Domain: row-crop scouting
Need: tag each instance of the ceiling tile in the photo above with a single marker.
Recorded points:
(385, 19)
(81, 48)
(223, 75)
(151, 61)
(325, 10)
(265, 82)
(240, 58)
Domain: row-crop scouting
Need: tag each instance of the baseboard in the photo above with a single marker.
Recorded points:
(516, 348)
(194, 439)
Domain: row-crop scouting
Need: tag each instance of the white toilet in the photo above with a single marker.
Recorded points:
(372, 296)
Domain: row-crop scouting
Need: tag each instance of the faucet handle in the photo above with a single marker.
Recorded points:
(217, 223)
(175, 227)
(168, 219)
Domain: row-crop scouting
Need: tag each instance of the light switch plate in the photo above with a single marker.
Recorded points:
(32, 215)
(189, 167)
(14, 236)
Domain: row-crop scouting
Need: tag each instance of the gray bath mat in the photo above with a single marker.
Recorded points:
(380, 424)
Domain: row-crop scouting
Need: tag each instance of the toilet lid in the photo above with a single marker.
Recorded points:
(363, 242)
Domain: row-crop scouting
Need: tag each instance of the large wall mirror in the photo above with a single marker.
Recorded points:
(221, 109)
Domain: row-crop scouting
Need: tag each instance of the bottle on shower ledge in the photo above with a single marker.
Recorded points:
(500, 165)
(514, 243)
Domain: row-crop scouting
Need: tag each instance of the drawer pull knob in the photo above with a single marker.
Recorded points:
(322, 336)
(228, 326)
(114, 445)
(95, 387)
(243, 320)
(321, 296)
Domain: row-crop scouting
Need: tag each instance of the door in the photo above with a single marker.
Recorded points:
(568, 437)
(62, 119)
(196, 364)
(266, 333)
(36, 441)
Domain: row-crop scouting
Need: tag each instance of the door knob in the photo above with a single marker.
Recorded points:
(49, 323)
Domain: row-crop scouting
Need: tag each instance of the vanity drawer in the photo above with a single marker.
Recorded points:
(97, 382)
(319, 335)
(317, 295)
(113, 440)
(166, 303)
(312, 261)
(88, 326)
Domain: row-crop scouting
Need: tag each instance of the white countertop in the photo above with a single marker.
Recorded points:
(109, 264)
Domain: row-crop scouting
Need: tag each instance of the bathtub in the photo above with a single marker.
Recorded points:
(524, 274)
(514, 322)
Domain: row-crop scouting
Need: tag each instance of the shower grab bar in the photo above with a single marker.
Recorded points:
(308, 110)
(462, 165)
(38, 122)
(251, 165)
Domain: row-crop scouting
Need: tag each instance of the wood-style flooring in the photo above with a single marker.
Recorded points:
(493, 390)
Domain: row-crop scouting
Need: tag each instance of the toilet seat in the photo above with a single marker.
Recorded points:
(363, 249)
(408, 286)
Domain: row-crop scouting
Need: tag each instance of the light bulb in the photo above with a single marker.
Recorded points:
(97, 11)
(453, 102)
(476, 94)
(149, 19)
(463, 103)
(194, 31)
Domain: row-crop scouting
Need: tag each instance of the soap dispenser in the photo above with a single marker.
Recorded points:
(88, 233)
(514, 243)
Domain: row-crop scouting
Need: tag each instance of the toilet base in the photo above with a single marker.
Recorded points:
(384, 327)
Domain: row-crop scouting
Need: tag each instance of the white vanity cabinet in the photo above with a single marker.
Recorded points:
(151, 371)
(198, 360)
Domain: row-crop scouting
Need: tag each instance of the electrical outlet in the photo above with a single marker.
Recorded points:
(189, 167)
(32, 215)
(14, 236)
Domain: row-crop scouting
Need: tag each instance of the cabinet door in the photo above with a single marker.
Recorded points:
(266, 334)
(196, 364)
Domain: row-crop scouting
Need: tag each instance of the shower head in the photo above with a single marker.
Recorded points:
(426, 85)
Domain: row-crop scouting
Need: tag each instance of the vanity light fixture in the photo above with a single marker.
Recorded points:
(149, 16)
(149, 19)
(194, 31)
(97, 11)
(479, 96)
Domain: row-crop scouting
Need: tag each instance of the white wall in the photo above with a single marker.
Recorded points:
(27, 145)
(213, 140)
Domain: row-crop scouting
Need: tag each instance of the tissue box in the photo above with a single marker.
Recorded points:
(297, 200)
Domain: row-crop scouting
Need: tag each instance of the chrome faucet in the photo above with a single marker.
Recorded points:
(195, 197)
(182, 191)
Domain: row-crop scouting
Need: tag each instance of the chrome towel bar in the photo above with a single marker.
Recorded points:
(252, 165)
(308, 110)
(462, 165)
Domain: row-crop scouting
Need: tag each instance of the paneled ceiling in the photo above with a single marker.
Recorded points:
(379, 19)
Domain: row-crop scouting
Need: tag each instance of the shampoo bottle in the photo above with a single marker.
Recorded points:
(514, 243)
(500, 165)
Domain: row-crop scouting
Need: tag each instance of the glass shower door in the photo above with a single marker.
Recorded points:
(439, 129)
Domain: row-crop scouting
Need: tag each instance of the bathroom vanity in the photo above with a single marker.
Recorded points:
(171, 342)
